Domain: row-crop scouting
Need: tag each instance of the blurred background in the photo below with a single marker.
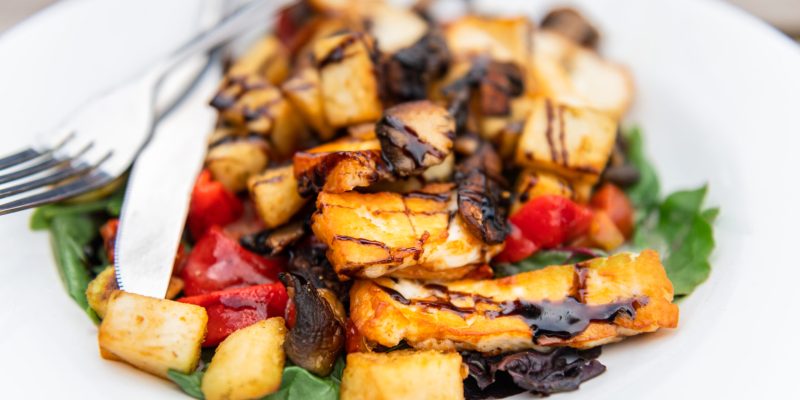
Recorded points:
(783, 14)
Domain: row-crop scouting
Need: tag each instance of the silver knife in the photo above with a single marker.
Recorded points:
(159, 188)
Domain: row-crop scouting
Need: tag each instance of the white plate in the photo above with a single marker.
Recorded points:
(718, 95)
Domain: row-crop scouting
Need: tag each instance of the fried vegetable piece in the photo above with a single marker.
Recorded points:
(415, 136)
(104, 284)
(573, 25)
(339, 166)
(233, 162)
(347, 73)
(253, 105)
(532, 183)
(154, 335)
(403, 374)
(417, 234)
(303, 91)
(316, 335)
(569, 73)
(394, 28)
(502, 39)
(275, 195)
(606, 300)
(571, 141)
(482, 202)
(248, 364)
(409, 71)
(267, 58)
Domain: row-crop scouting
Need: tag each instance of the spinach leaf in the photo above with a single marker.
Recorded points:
(41, 218)
(189, 383)
(645, 193)
(299, 384)
(547, 258)
(69, 234)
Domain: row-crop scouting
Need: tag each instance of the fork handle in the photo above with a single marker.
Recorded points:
(232, 25)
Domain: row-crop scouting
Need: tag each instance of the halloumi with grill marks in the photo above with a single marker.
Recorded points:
(418, 234)
(339, 166)
(570, 141)
(388, 311)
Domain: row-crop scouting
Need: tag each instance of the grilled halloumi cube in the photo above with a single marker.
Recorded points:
(417, 235)
(350, 89)
(584, 305)
(275, 195)
(572, 74)
(267, 58)
(502, 39)
(339, 166)
(532, 184)
(403, 374)
(233, 162)
(571, 141)
(303, 91)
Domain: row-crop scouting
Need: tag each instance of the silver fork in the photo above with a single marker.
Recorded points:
(98, 143)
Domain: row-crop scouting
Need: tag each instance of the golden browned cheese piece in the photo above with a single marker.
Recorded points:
(339, 166)
(631, 293)
(416, 235)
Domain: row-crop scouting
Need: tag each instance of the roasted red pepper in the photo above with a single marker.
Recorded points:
(233, 309)
(109, 234)
(211, 205)
(219, 262)
(544, 222)
(613, 201)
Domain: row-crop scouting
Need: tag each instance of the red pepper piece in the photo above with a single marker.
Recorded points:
(549, 221)
(234, 309)
(211, 205)
(218, 262)
(517, 247)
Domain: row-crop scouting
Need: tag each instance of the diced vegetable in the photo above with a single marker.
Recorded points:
(105, 283)
(275, 195)
(233, 309)
(232, 163)
(218, 262)
(303, 91)
(603, 233)
(211, 205)
(517, 247)
(339, 166)
(248, 364)
(503, 39)
(549, 221)
(403, 374)
(267, 58)
(154, 335)
(616, 204)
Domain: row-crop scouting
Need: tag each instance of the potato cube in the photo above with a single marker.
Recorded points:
(232, 163)
(275, 195)
(349, 85)
(154, 335)
(393, 27)
(502, 39)
(267, 58)
(403, 374)
(303, 91)
(104, 284)
(571, 141)
(248, 364)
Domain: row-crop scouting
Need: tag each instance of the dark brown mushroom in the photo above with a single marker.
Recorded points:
(482, 200)
(572, 24)
(316, 336)
(495, 83)
(274, 241)
(415, 136)
(409, 71)
(308, 260)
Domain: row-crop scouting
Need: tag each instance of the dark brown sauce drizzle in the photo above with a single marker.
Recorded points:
(415, 148)
(549, 131)
(337, 54)
(562, 136)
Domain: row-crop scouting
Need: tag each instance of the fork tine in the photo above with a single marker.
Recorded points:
(59, 176)
(91, 181)
(48, 163)
(18, 158)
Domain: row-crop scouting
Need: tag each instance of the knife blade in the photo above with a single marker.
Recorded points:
(159, 189)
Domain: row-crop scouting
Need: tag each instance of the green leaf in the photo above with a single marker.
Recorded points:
(299, 384)
(42, 217)
(645, 194)
(545, 258)
(70, 233)
(189, 383)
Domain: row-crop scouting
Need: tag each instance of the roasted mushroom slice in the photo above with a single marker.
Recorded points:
(316, 336)
(571, 24)
(350, 92)
(415, 136)
(409, 71)
(273, 242)
(571, 141)
(308, 260)
(339, 166)
(482, 201)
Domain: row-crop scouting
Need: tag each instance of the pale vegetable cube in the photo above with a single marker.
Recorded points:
(105, 283)
(571, 141)
(267, 57)
(403, 374)
(502, 39)
(248, 364)
(232, 163)
(275, 195)
(154, 335)
(303, 91)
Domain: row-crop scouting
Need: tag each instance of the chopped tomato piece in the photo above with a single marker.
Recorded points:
(613, 201)
(517, 247)
(551, 220)
(211, 205)
(234, 309)
(219, 262)
(109, 234)
(604, 233)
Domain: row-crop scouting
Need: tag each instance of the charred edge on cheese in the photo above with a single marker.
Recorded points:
(313, 182)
